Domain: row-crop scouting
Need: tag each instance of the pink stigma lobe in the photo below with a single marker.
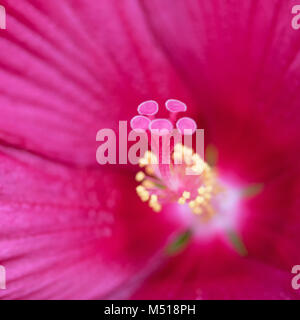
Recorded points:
(173, 105)
(140, 123)
(148, 108)
(186, 125)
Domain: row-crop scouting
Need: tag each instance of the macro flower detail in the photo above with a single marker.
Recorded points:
(186, 178)
(228, 222)
(174, 173)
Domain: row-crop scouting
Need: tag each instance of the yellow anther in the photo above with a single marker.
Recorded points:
(147, 154)
(188, 152)
(150, 158)
(188, 161)
(145, 196)
(153, 189)
(140, 176)
(197, 210)
(181, 200)
(178, 148)
(192, 204)
(148, 184)
(201, 190)
(199, 200)
(149, 170)
(143, 162)
(177, 156)
(153, 198)
(186, 195)
(140, 189)
(197, 168)
(157, 208)
(196, 157)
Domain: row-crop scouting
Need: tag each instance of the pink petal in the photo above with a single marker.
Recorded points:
(65, 74)
(58, 222)
(202, 273)
(246, 84)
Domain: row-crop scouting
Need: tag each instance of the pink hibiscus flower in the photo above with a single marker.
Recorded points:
(72, 229)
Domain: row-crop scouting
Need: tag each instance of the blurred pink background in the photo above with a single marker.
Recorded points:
(72, 229)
